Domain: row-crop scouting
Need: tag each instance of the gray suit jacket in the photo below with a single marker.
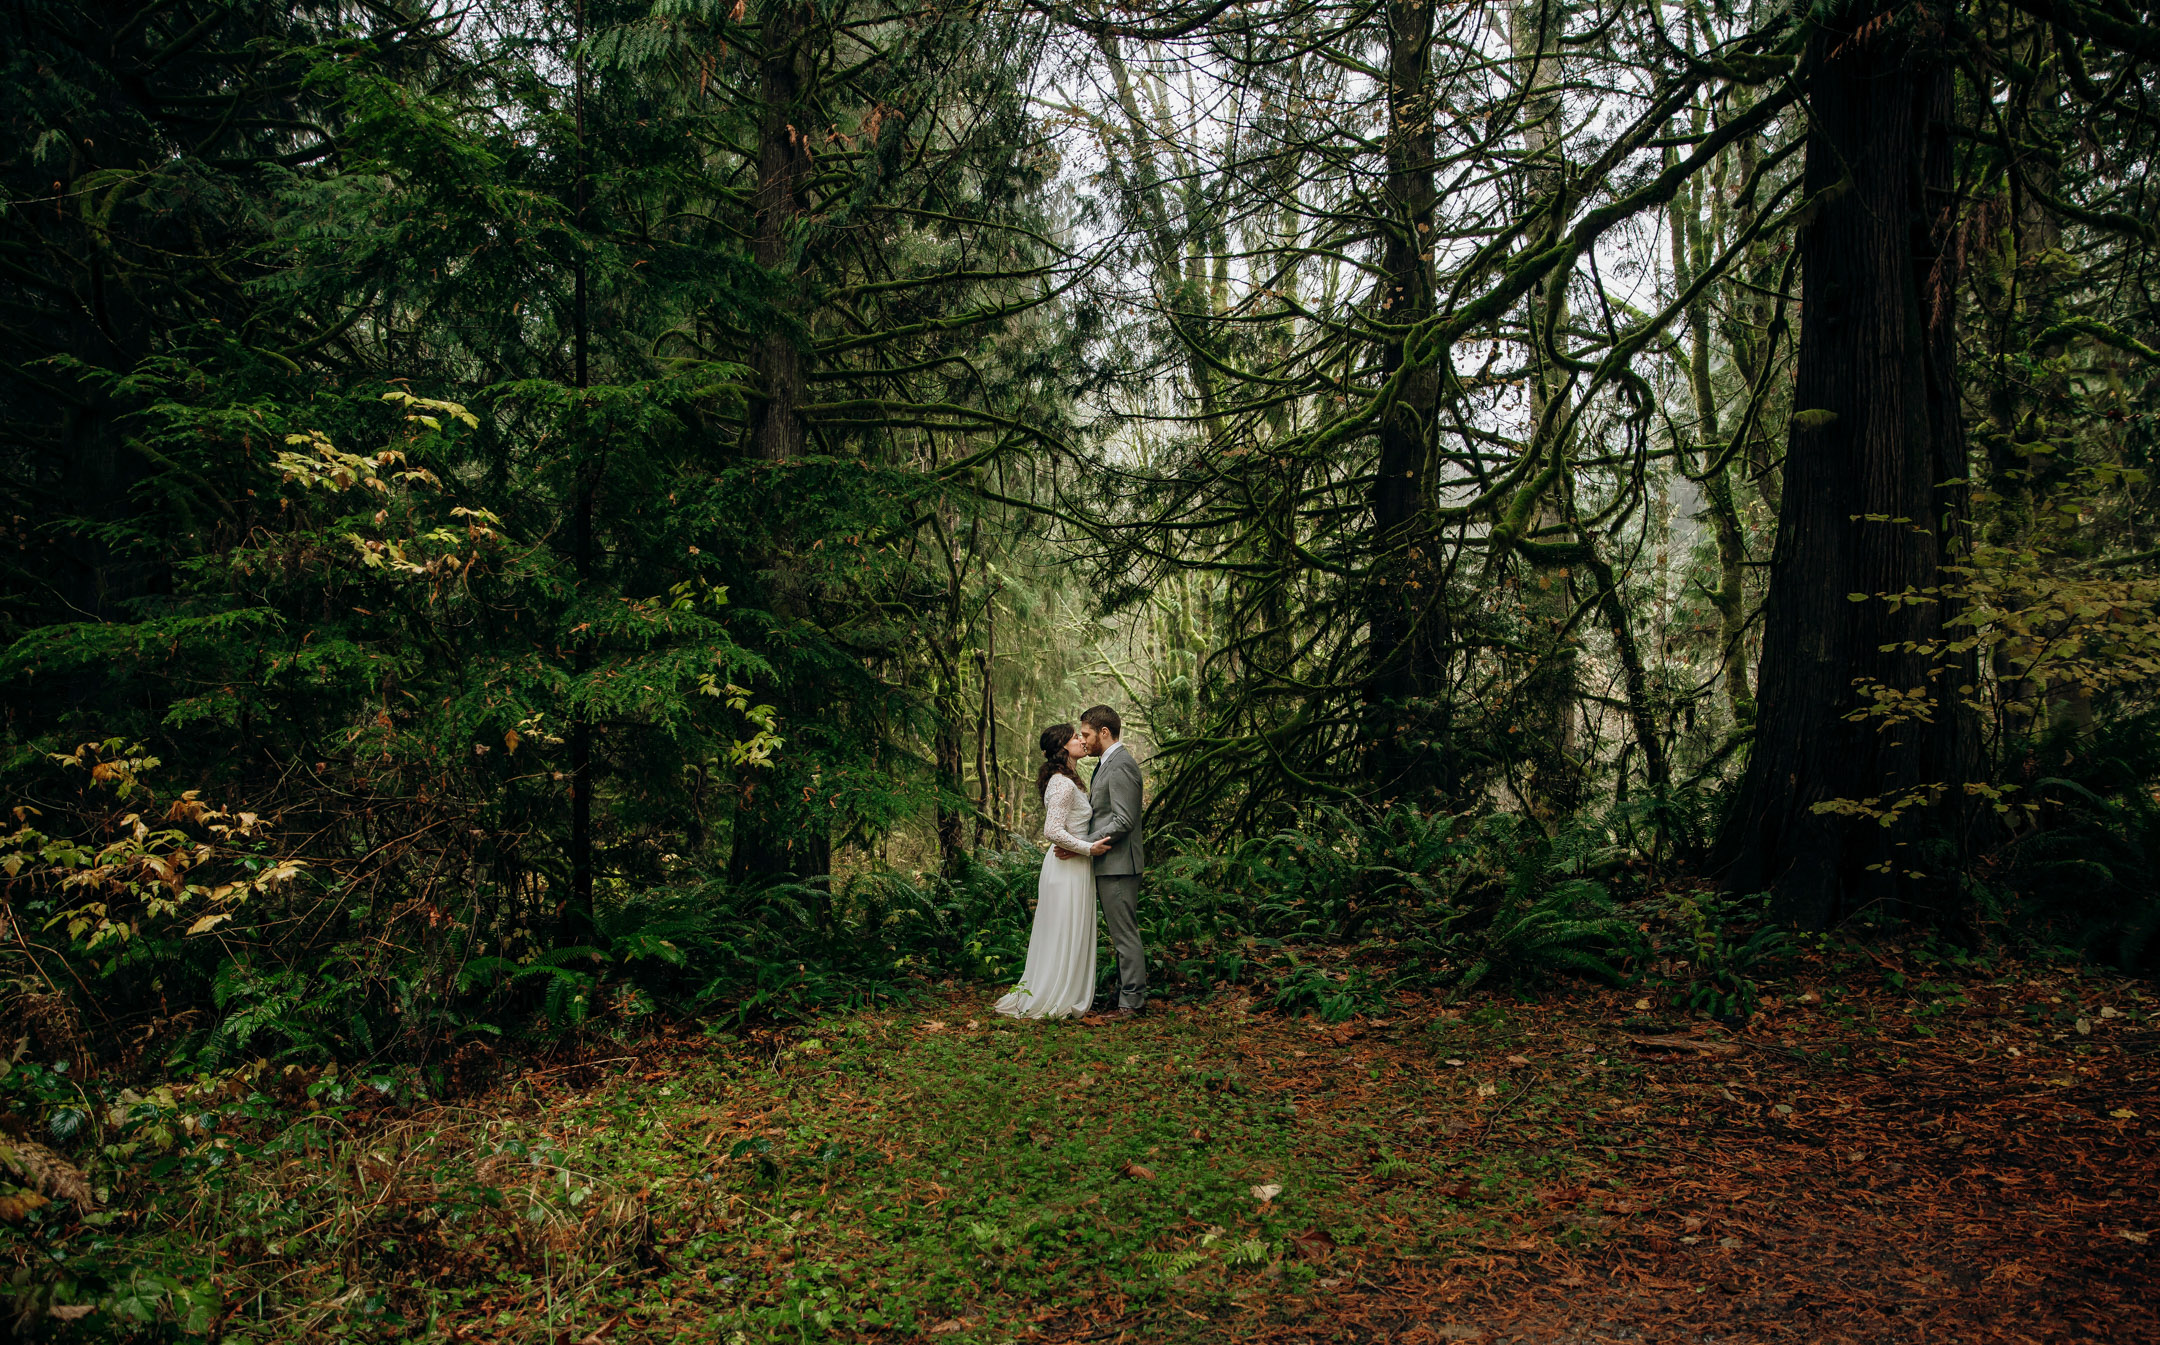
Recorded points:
(1115, 795)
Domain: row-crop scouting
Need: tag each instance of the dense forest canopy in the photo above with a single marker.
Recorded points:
(574, 505)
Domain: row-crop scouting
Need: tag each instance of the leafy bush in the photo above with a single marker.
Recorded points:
(1305, 987)
(1720, 949)
(1572, 926)
(1445, 899)
(210, 944)
(2086, 872)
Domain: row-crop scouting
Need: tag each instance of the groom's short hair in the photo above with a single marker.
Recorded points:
(1103, 717)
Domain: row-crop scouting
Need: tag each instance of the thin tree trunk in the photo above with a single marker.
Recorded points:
(947, 645)
(1635, 677)
(1691, 253)
(1748, 334)
(2028, 302)
(986, 811)
(946, 749)
(1169, 242)
(1552, 689)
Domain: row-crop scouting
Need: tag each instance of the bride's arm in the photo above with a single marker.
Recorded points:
(1057, 814)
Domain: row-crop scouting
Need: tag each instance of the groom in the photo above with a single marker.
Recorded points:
(1118, 853)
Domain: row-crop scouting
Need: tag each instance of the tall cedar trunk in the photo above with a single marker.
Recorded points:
(1866, 508)
(768, 842)
(1408, 612)
(581, 539)
(783, 176)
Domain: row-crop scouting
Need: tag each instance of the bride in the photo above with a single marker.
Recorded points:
(1059, 979)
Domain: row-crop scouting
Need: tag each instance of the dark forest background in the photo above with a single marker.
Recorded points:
(521, 517)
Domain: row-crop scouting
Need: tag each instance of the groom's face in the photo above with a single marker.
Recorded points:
(1094, 739)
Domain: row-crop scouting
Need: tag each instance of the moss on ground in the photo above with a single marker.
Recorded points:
(1204, 1174)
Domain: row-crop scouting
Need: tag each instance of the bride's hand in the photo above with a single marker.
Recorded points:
(1063, 853)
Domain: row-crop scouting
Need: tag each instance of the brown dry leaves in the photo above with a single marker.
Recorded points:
(1832, 1170)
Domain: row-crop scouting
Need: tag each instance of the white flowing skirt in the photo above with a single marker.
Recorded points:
(1059, 979)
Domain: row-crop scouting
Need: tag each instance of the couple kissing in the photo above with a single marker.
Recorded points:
(1096, 858)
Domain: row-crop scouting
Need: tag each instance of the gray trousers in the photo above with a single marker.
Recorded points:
(1119, 897)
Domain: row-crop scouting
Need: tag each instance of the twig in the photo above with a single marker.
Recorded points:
(1721, 1048)
(575, 1064)
(1501, 1110)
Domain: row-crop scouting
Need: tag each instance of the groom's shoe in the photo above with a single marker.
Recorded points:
(1140, 1012)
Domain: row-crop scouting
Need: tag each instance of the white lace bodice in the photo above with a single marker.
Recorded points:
(1066, 814)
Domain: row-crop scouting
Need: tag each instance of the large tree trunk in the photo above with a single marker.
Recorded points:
(1874, 440)
(1407, 614)
(774, 835)
(783, 175)
(581, 527)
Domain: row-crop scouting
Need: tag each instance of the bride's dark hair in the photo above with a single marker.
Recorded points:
(1055, 761)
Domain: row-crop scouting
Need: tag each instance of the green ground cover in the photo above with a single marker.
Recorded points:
(1965, 1157)
(872, 1172)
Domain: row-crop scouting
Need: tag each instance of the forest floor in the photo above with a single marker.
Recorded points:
(1969, 1159)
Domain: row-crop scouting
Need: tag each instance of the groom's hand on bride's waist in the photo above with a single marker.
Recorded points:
(1101, 847)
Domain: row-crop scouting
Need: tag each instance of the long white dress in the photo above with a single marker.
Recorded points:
(1059, 978)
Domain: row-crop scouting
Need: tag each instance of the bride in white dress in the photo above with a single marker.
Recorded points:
(1059, 979)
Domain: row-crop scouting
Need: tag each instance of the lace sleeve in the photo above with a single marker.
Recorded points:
(1057, 814)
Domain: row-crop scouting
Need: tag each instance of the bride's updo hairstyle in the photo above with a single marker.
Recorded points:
(1055, 761)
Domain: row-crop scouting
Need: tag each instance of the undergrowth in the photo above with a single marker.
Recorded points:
(178, 983)
(155, 932)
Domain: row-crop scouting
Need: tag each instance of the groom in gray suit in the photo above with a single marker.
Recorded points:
(1119, 855)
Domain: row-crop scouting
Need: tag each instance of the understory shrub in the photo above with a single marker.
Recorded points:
(2083, 872)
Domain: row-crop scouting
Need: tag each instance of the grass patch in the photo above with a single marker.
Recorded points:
(1205, 1175)
(868, 1173)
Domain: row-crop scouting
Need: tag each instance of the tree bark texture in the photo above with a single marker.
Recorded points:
(581, 528)
(776, 836)
(946, 748)
(1869, 505)
(1407, 616)
(784, 169)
